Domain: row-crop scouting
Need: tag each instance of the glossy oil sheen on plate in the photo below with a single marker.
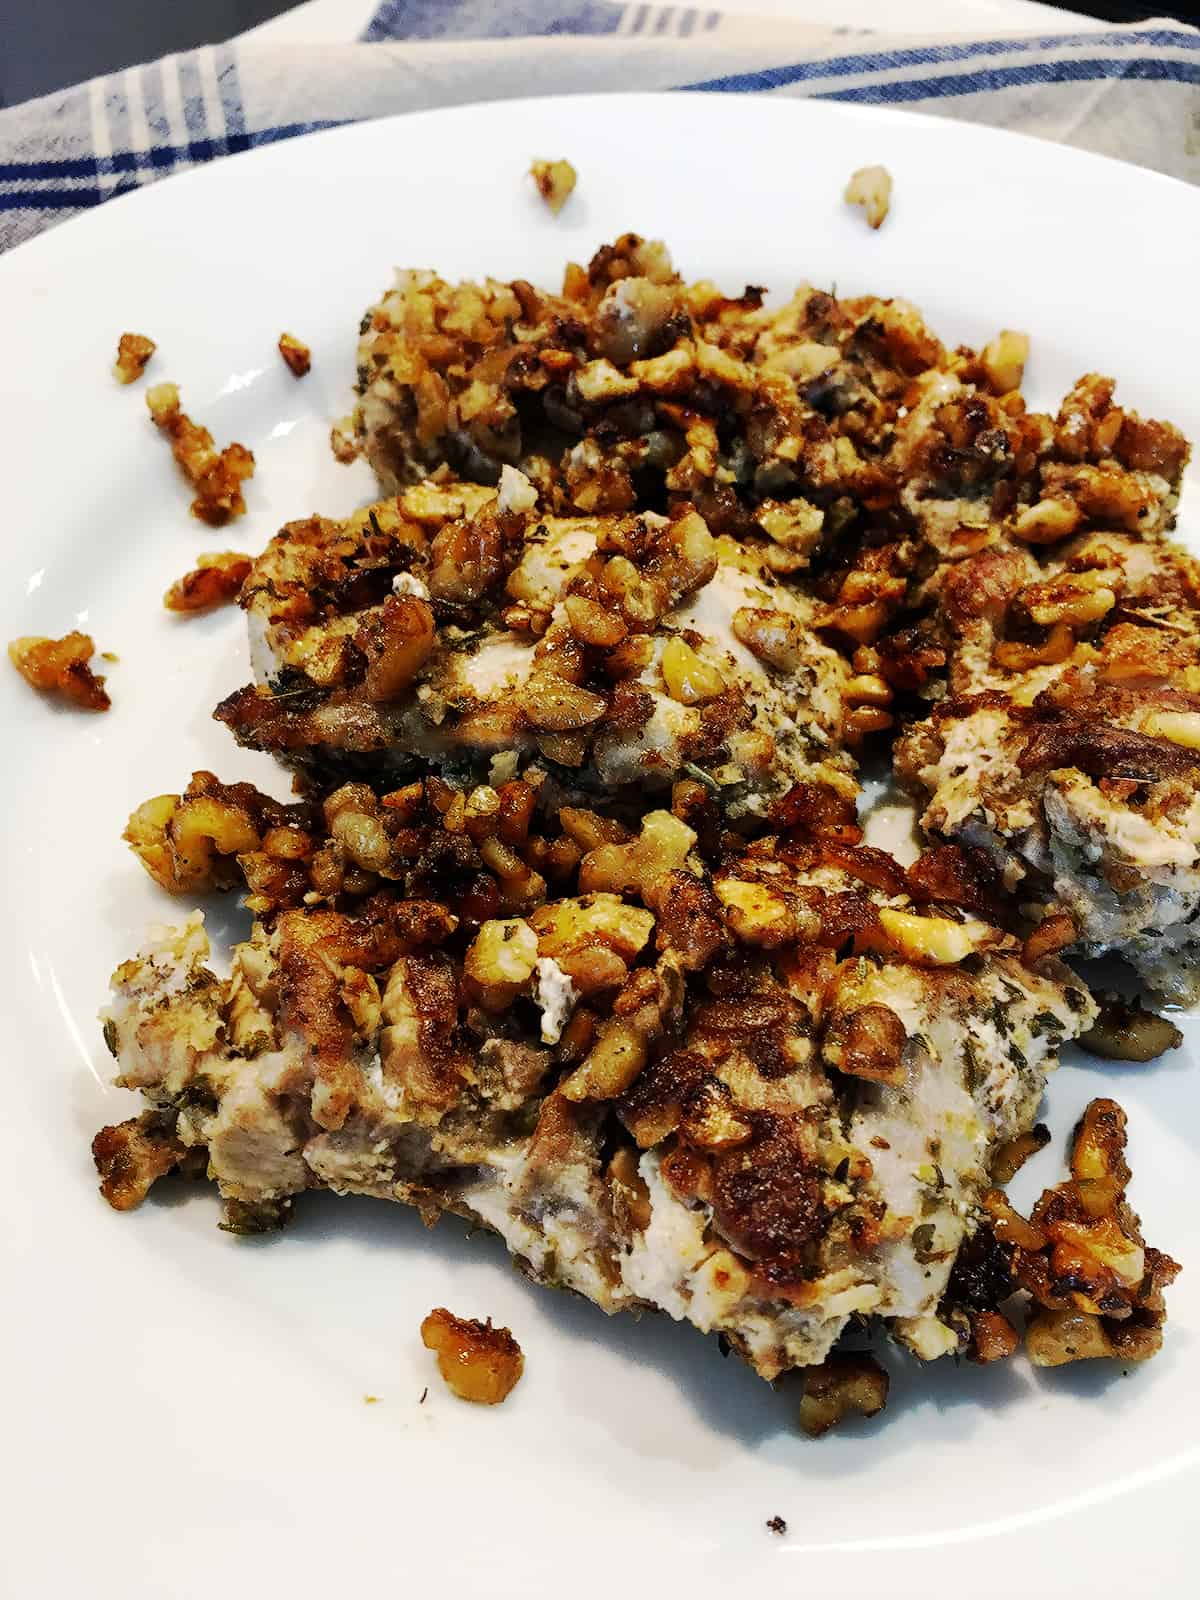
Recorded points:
(185, 1410)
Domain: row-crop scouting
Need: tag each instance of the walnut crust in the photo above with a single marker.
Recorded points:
(669, 1067)
(1091, 1285)
(452, 625)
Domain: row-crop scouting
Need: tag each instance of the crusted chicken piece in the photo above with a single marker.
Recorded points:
(756, 1116)
(479, 1362)
(1066, 748)
(215, 580)
(216, 475)
(450, 626)
(133, 353)
(60, 666)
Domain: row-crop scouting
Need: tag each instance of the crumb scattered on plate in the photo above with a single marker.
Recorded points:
(60, 666)
(777, 1525)
(871, 188)
(133, 352)
(343, 441)
(555, 181)
(297, 356)
(217, 475)
(215, 580)
(479, 1362)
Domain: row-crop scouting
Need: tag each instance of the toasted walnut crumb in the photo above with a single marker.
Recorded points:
(555, 180)
(60, 666)
(871, 188)
(777, 1525)
(479, 1362)
(839, 1387)
(131, 1156)
(133, 352)
(297, 356)
(343, 442)
(1126, 1031)
(216, 579)
(216, 474)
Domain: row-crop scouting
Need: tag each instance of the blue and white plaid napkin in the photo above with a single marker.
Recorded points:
(1132, 92)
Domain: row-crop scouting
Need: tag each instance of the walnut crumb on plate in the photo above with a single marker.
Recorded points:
(133, 352)
(60, 666)
(555, 181)
(871, 188)
(479, 1362)
(216, 474)
(296, 355)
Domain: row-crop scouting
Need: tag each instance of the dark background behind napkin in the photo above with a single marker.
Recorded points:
(48, 44)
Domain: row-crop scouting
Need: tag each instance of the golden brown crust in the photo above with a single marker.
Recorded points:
(133, 352)
(297, 357)
(131, 1156)
(479, 1362)
(60, 666)
(216, 580)
(217, 476)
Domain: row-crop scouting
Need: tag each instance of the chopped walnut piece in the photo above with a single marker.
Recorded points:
(133, 352)
(870, 188)
(479, 1362)
(1012, 1155)
(296, 354)
(842, 1386)
(1097, 1285)
(60, 666)
(215, 580)
(343, 441)
(217, 475)
(555, 180)
(1126, 1031)
(867, 1043)
(131, 1156)
(1055, 932)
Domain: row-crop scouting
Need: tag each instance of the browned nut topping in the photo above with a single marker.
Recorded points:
(1014, 656)
(1009, 1226)
(870, 188)
(688, 677)
(1055, 932)
(501, 962)
(631, 1197)
(480, 1363)
(215, 580)
(133, 1155)
(216, 475)
(1097, 1285)
(296, 355)
(1126, 1031)
(993, 1337)
(133, 352)
(60, 666)
(1003, 360)
(711, 1120)
(557, 706)
(842, 1386)
(555, 180)
(867, 1043)
(1009, 1157)
(645, 1008)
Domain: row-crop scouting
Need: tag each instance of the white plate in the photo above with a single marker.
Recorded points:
(184, 1412)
